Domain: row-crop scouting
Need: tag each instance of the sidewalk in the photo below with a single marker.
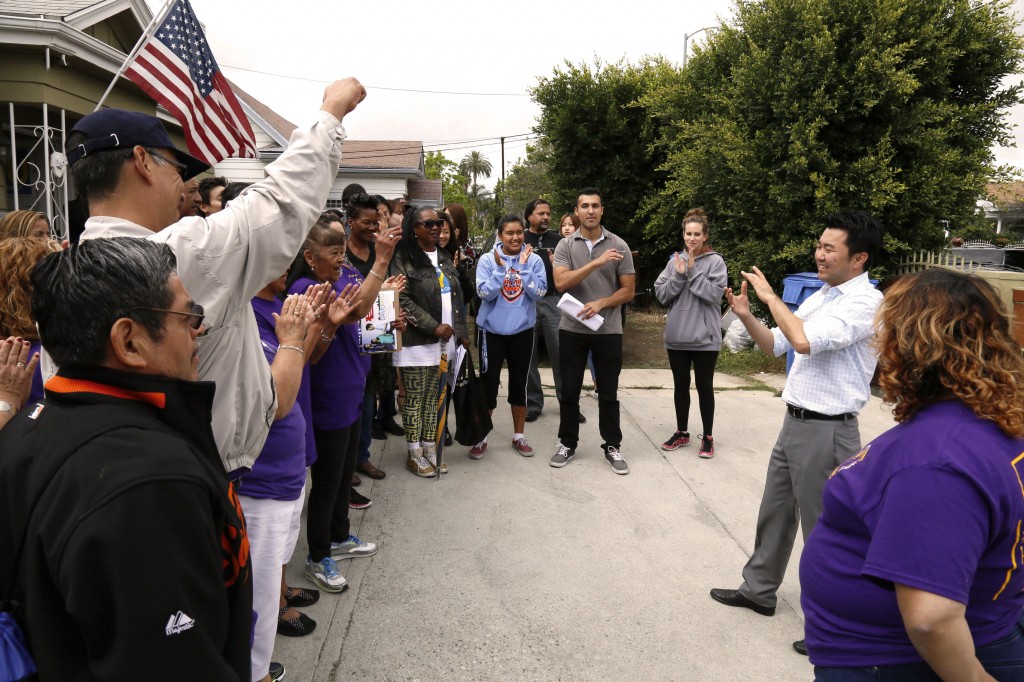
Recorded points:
(509, 569)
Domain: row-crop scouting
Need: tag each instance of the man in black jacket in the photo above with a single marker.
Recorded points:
(119, 530)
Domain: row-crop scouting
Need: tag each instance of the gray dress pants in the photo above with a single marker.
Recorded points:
(805, 454)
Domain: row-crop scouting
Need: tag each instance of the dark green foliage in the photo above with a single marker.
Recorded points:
(799, 108)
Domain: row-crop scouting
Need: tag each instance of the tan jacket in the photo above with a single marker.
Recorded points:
(225, 259)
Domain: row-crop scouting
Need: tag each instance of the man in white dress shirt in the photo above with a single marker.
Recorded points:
(827, 385)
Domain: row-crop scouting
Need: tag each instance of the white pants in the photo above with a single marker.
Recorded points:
(273, 528)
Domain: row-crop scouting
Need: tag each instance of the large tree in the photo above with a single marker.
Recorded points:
(599, 134)
(437, 167)
(528, 179)
(798, 108)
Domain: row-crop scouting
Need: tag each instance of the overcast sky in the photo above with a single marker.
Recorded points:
(455, 46)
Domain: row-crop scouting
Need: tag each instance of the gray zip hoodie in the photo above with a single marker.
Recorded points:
(694, 301)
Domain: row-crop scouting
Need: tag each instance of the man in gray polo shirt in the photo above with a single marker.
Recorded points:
(596, 267)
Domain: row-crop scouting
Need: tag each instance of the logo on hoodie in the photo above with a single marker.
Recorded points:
(178, 623)
(512, 286)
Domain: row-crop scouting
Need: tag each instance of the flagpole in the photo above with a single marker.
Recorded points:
(131, 55)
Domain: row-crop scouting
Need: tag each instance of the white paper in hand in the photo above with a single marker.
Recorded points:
(570, 305)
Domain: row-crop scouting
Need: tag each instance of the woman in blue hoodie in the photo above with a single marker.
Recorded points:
(692, 285)
(509, 280)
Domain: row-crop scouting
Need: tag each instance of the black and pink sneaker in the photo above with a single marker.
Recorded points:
(678, 440)
(707, 447)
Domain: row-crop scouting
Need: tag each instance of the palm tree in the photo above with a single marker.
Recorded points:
(474, 165)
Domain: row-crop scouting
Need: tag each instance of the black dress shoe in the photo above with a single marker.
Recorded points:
(583, 420)
(800, 646)
(734, 598)
(378, 433)
(532, 415)
(394, 428)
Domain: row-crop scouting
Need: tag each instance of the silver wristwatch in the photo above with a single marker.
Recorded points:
(8, 407)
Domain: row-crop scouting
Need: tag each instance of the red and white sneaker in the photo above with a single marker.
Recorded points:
(679, 439)
(707, 447)
(522, 447)
(477, 451)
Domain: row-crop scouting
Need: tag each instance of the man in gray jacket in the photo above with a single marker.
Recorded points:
(126, 166)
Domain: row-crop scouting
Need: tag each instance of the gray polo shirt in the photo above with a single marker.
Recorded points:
(573, 252)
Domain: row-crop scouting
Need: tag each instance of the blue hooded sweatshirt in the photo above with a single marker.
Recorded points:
(509, 292)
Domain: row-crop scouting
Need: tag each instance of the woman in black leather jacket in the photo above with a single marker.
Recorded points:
(435, 310)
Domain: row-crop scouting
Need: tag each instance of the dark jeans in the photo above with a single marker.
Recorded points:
(327, 509)
(1002, 659)
(703, 362)
(606, 350)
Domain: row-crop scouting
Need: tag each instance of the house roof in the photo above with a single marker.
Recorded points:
(48, 8)
(425, 192)
(278, 124)
(382, 154)
(1005, 195)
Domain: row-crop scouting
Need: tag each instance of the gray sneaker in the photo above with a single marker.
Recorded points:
(352, 548)
(614, 458)
(562, 456)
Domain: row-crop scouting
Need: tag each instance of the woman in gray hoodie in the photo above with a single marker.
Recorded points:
(692, 285)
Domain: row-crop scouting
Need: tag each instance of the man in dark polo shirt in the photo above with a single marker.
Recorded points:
(543, 240)
(596, 267)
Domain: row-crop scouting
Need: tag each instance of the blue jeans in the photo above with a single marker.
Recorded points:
(548, 317)
(1003, 659)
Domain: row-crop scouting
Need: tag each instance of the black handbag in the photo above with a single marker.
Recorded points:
(472, 421)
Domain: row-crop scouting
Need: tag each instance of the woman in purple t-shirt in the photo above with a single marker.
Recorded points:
(914, 570)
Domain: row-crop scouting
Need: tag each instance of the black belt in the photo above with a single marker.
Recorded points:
(801, 413)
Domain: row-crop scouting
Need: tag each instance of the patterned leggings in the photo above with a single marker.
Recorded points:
(419, 409)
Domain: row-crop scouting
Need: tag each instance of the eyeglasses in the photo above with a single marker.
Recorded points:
(430, 223)
(195, 317)
(177, 165)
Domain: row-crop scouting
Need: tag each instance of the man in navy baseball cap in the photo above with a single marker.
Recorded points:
(120, 129)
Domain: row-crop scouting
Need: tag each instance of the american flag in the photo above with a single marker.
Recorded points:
(176, 68)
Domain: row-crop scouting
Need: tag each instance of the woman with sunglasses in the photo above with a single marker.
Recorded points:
(433, 302)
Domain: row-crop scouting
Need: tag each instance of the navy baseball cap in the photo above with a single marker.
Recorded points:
(120, 129)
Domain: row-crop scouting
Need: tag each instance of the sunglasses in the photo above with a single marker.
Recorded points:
(430, 223)
(195, 316)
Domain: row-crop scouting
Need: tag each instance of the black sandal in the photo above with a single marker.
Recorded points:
(296, 627)
(300, 596)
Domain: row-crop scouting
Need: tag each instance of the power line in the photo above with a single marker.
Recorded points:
(381, 87)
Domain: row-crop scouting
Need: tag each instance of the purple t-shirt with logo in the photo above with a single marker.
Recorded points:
(279, 473)
(936, 504)
(338, 379)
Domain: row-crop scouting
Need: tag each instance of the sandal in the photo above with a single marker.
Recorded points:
(300, 626)
(301, 596)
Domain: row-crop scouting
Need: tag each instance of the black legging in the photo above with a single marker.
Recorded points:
(703, 362)
(327, 509)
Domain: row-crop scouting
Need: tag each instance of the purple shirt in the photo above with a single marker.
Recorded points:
(279, 473)
(936, 504)
(338, 379)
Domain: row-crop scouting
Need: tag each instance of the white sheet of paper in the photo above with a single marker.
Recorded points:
(460, 355)
(570, 305)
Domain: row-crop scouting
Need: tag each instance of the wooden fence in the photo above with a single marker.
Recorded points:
(929, 259)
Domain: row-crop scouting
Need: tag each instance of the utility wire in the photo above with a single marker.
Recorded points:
(381, 87)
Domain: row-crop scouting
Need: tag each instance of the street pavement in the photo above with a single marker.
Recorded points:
(509, 569)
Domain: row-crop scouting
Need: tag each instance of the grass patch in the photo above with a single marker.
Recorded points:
(747, 362)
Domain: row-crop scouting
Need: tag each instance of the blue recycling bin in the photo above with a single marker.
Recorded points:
(795, 290)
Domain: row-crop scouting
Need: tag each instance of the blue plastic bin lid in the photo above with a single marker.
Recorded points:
(798, 287)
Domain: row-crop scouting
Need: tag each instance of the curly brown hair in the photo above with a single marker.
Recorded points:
(18, 223)
(17, 258)
(943, 334)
